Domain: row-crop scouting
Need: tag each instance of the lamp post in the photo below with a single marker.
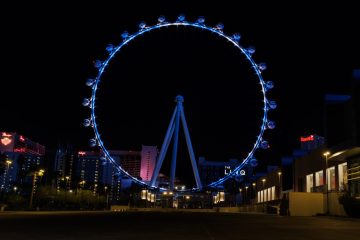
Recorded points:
(107, 197)
(254, 190)
(246, 195)
(241, 195)
(35, 174)
(279, 174)
(326, 154)
(263, 188)
(6, 173)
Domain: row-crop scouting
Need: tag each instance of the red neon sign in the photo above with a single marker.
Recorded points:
(22, 138)
(6, 141)
(81, 153)
(20, 150)
(307, 139)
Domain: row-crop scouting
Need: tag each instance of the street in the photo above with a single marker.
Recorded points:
(174, 225)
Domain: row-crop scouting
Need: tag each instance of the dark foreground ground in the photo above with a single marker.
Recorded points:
(175, 225)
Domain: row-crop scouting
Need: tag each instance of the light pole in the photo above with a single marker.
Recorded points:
(107, 197)
(326, 154)
(36, 173)
(255, 192)
(66, 182)
(82, 186)
(6, 173)
(241, 195)
(246, 197)
(263, 188)
(279, 174)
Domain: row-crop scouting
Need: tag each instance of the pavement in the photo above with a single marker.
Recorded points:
(173, 225)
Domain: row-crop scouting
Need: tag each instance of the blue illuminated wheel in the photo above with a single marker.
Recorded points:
(199, 24)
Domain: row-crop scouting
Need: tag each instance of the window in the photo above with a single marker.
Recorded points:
(319, 178)
(342, 168)
(269, 195)
(273, 193)
(309, 182)
(330, 176)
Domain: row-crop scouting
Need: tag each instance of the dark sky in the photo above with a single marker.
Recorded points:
(48, 52)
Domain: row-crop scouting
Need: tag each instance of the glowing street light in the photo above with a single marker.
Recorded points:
(263, 182)
(39, 173)
(67, 181)
(254, 189)
(6, 173)
(279, 174)
(326, 154)
(246, 188)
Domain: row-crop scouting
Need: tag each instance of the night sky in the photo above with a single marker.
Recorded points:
(48, 52)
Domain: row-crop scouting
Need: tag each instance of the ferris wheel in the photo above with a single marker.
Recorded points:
(181, 21)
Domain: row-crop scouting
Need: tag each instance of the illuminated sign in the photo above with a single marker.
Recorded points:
(81, 153)
(20, 150)
(5, 140)
(307, 139)
(21, 138)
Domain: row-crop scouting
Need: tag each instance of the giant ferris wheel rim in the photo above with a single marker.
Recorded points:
(199, 24)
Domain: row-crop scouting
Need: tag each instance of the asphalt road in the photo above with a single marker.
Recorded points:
(175, 225)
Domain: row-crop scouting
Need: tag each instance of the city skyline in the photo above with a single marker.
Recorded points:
(57, 61)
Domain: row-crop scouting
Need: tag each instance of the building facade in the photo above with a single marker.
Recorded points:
(22, 156)
(64, 164)
(211, 171)
(148, 161)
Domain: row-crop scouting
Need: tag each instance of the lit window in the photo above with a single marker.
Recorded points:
(342, 168)
(330, 176)
(309, 182)
(319, 178)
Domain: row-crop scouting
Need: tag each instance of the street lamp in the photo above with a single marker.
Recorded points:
(263, 182)
(107, 197)
(6, 173)
(67, 181)
(326, 154)
(35, 174)
(82, 184)
(255, 191)
(246, 198)
(241, 195)
(279, 174)
(8, 162)
(263, 188)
